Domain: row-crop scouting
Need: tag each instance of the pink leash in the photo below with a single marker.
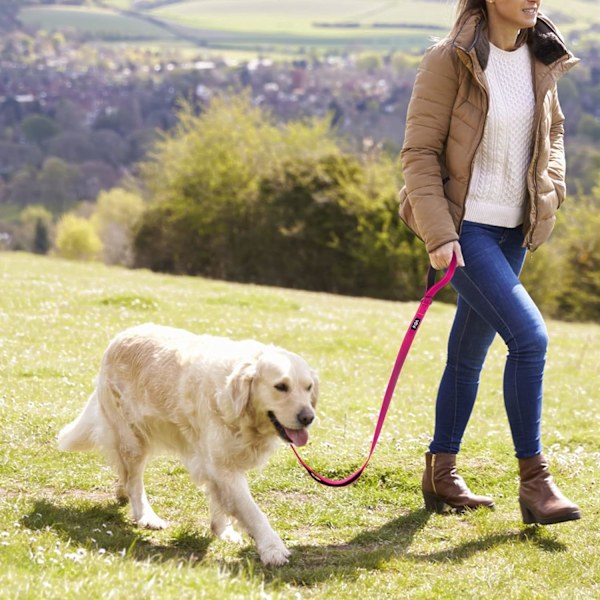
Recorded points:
(432, 289)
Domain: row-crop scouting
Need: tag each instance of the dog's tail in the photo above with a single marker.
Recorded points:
(79, 434)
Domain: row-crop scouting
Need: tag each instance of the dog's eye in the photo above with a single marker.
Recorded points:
(282, 387)
(309, 387)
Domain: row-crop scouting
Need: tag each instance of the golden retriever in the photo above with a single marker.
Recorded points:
(221, 405)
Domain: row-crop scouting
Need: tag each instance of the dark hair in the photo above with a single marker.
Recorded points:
(467, 8)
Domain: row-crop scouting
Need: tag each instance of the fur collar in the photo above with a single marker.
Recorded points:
(544, 40)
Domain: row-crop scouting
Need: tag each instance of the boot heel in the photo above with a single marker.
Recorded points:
(528, 516)
(434, 503)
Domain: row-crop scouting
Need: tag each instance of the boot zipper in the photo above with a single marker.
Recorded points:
(432, 473)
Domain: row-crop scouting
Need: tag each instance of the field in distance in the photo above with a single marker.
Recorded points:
(280, 26)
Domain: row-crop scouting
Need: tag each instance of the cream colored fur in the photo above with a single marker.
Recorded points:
(206, 399)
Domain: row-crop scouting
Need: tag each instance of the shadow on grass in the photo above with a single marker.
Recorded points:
(533, 534)
(370, 550)
(310, 565)
(103, 526)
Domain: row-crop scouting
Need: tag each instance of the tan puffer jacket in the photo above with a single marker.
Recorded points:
(445, 122)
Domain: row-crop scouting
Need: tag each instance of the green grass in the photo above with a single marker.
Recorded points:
(220, 30)
(63, 536)
(94, 21)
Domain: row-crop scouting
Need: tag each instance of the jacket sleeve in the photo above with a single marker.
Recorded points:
(427, 125)
(556, 162)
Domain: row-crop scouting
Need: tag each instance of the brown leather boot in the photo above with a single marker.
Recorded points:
(444, 489)
(541, 501)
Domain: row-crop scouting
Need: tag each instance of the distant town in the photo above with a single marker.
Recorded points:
(99, 107)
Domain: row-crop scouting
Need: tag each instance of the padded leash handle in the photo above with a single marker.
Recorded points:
(431, 290)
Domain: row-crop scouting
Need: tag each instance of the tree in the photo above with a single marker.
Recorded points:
(24, 188)
(41, 240)
(580, 250)
(235, 197)
(76, 238)
(68, 115)
(570, 103)
(369, 62)
(72, 146)
(589, 127)
(117, 212)
(35, 228)
(58, 183)
(110, 147)
(38, 128)
(94, 177)
(573, 291)
(204, 179)
(16, 157)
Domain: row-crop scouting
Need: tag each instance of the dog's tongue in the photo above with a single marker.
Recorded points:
(299, 437)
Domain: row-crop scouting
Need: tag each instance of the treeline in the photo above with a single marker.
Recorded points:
(235, 196)
(237, 192)
(232, 195)
(75, 119)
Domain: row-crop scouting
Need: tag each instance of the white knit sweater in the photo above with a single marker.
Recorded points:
(498, 187)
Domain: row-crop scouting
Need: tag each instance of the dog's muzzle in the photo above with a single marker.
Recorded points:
(297, 437)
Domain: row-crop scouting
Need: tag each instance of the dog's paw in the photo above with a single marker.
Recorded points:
(151, 521)
(274, 554)
(229, 534)
(121, 496)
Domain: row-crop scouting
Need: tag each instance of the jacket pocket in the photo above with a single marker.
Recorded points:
(556, 190)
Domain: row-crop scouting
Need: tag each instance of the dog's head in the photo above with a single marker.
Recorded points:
(279, 386)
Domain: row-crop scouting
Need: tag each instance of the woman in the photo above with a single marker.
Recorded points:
(484, 167)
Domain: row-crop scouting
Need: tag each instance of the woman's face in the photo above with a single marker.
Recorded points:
(514, 14)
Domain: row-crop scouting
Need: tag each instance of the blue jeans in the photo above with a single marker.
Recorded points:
(492, 300)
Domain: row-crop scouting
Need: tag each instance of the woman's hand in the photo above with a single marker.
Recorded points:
(440, 258)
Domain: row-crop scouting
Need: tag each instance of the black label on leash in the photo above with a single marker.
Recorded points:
(416, 324)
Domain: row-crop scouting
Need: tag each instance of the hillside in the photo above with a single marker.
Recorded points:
(280, 26)
(63, 535)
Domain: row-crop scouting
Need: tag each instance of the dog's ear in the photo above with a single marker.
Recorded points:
(314, 390)
(239, 387)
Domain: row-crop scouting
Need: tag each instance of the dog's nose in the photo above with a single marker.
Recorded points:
(306, 416)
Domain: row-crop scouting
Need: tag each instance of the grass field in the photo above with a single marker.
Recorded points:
(63, 536)
(223, 30)
(94, 21)
(284, 26)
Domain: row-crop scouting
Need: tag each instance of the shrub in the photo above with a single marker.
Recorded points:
(204, 180)
(580, 253)
(76, 238)
(117, 212)
(563, 276)
(234, 197)
(331, 224)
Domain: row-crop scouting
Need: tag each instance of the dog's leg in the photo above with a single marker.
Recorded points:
(119, 466)
(142, 512)
(235, 499)
(220, 523)
(130, 462)
(128, 450)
